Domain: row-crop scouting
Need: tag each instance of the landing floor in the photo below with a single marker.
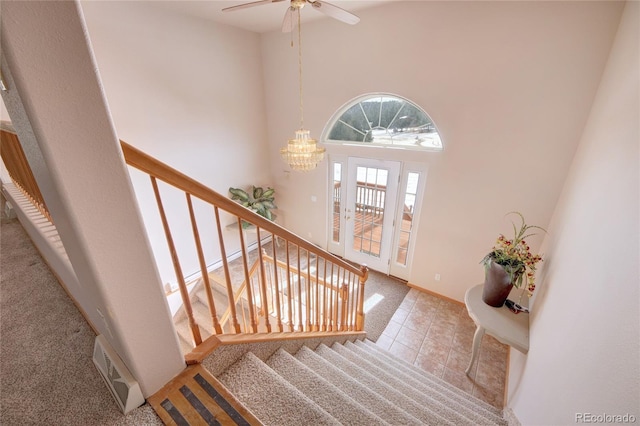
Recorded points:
(436, 334)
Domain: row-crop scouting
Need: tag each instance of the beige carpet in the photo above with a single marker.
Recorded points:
(47, 376)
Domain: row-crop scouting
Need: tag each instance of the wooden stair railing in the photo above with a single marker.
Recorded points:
(17, 165)
(300, 287)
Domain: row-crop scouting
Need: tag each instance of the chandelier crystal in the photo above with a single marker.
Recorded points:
(302, 153)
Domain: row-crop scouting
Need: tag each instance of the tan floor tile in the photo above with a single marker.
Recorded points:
(392, 329)
(495, 359)
(459, 380)
(403, 352)
(400, 315)
(428, 364)
(458, 361)
(436, 335)
(413, 294)
(435, 351)
(417, 321)
(407, 304)
(384, 342)
(441, 332)
(462, 342)
(410, 338)
(489, 396)
(491, 377)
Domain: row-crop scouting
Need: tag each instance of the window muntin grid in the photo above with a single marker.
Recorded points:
(385, 120)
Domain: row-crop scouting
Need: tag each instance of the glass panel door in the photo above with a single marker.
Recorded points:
(370, 210)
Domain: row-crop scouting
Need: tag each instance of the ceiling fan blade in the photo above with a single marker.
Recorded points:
(246, 5)
(289, 22)
(334, 11)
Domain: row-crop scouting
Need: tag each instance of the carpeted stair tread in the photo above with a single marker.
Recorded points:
(334, 401)
(422, 394)
(358, 391)
(435, 383)
(424, 414)
(270, 397)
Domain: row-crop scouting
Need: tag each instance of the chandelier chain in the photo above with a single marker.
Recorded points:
(300, 70)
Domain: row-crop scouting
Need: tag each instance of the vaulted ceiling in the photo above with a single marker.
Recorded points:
(260, 19)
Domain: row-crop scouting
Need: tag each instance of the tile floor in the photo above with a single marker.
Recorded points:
(436, 334)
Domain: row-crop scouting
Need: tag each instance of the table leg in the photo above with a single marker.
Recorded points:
(477, 338)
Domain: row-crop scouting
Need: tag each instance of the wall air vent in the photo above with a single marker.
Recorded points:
(124, 388)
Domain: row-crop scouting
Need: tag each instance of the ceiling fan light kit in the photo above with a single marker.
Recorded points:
(303, 153)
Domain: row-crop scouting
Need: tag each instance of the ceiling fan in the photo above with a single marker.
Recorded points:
(289, 23)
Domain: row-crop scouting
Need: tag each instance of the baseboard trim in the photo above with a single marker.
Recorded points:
(433, 293)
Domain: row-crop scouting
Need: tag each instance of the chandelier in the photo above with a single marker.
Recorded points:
(301, 153)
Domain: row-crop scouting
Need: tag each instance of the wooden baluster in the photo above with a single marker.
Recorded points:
(203, 268)
(227, 274)
(344, 295)
(330, 301)
(289, 294)
(316, 325)
(308, 292)
(349, 302)
(336, 298)
(247, 278)
(193, 325)
(300, 320)
(263, 284)
(347, 310)
(324, 296)
(354, 305)
(276, 284)
(360, 316)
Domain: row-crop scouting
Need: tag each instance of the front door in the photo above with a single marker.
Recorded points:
(372, 188)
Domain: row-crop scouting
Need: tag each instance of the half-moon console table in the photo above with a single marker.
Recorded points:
(509, 328)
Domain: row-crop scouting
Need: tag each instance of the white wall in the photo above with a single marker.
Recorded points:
(584, 355)
(188, 92)
(509, 85)
(59, 112)
(4, 116)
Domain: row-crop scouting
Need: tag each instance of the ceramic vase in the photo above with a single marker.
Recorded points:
(497, 285)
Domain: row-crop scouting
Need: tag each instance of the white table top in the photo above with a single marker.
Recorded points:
(509, 328)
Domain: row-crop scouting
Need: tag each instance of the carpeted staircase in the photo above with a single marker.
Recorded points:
(355, 383)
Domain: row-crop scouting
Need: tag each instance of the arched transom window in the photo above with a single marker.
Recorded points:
(384, 120)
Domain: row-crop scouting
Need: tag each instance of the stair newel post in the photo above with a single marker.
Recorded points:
(227, 275)
(300, 320)
(363, 280)
(289, 294)
(276, 284)
(203, 267)
(193, 325)
(247, 279)
(263, 283)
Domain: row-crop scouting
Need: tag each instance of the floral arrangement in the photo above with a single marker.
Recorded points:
(515, 256)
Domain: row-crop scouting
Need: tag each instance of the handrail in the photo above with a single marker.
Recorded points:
(331, 299)
(144, 162)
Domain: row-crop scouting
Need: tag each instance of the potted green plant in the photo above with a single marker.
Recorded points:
(510, 263)
(260, 200)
